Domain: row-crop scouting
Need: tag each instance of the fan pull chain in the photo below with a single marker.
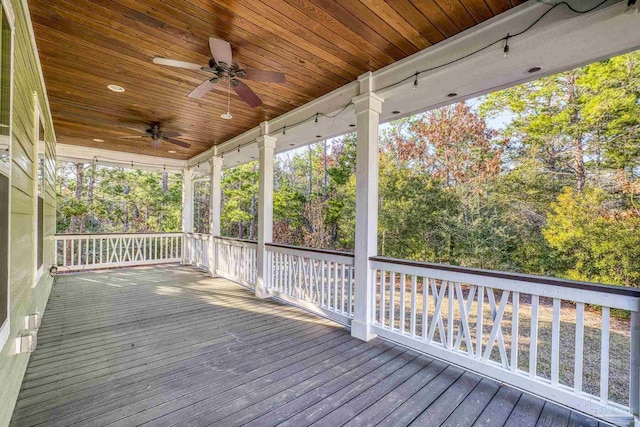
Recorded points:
(229, 98)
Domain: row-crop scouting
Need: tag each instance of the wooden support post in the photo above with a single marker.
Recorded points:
(215, 211)
(266, 147)
(368, 106)
(187, 210)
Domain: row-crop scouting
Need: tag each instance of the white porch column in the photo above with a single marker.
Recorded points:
(368, 106)
(187, 211)
(215, 211)
(266, 146)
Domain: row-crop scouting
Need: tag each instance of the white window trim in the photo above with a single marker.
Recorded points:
(5, 328)
(37, 271)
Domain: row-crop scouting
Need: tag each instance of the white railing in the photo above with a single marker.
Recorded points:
(197, 250)
(236, 260)
(94, 251)
(563, 340)
(318, 280)
(547, 336)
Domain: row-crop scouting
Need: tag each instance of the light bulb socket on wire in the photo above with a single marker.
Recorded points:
(506, 46)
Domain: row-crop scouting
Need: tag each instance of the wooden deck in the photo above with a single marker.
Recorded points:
(169, 345)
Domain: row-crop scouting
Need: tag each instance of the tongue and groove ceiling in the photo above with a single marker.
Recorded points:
(85, 45)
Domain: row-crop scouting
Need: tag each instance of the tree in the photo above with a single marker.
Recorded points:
(239, 186)
(596, 242)
(452, 144)
(99, 199)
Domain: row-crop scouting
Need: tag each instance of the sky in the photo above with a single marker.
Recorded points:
(497, 123)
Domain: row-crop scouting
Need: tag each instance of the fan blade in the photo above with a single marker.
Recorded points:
(140, 129)
(175, 141)
(264, 76)
(133, 137)
(170, 133)
(176, 63)
(202, 89)
(246, 94)
(221, 50)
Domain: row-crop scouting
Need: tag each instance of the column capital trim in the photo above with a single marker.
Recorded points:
(368, 101)
(266, 141)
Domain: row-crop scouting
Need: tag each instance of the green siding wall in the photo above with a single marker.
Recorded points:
(24, 297)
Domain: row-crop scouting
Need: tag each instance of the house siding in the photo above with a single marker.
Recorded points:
(25, 298)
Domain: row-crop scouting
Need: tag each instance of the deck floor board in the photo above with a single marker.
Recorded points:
(168, 345)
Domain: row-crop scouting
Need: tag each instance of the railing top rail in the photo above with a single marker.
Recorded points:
(544, 280)
(198, 234)
(234, 239)
(307, 249)
(156, 233)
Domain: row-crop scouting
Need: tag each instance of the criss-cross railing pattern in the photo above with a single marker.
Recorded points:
(197, 250)
(236, 260)
(90, 251)
(317, 279)
(403, 306)
(528, 331)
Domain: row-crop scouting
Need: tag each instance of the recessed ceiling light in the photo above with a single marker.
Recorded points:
(352, 125)
(172, 151)
(98, 140)
(534, 69)
(291, 145)
(395, 112)
(452, 94)
(318, 136)
(116, 88)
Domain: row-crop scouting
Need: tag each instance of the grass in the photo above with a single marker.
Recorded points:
(619, 344)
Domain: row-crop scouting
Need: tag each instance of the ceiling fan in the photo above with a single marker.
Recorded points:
(223, 67)
(157, 136)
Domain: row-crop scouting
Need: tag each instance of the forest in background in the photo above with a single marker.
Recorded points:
(552, 190)
(102, 199)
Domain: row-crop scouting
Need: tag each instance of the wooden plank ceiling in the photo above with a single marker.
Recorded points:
(85, 45)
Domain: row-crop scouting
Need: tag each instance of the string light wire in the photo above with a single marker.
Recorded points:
(415, 75)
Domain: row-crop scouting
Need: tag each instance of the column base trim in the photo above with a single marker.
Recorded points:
(262, 293)
(362, 331)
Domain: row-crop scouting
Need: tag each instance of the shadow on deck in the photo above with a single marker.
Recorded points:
(169, 345)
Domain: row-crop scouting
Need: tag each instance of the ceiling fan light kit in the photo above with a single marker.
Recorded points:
(223, 67)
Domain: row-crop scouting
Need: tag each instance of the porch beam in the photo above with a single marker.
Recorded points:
(368, 107)
(561, 41)
(266, 146)
(81, 154)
